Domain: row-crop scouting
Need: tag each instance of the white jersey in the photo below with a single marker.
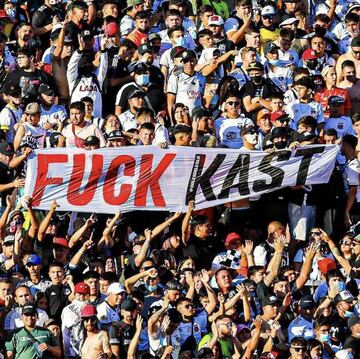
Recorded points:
(188, 89)
(127, 24)
(296, 110)
(37, 132)
(128, 121)
(241, 76)
(52, 115)
(282, 77)
(158, 341)
(10, 116)
(161, 135)
(87, 87)
(107, 314)
(290, 56)
(167, 44)
(14, 321)
(228, 130)
(352, 174)
(342, 125)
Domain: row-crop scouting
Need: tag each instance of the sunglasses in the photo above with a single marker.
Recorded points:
(233, 103)
(315, 234)
(298, 349)
(229, 325)
(345, 243)
(268, 17)
(90, 319)
(146, 268)
(356, 52)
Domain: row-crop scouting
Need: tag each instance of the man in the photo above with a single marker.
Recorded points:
(31, 127)
(116, 139)
(96, 341)
(139, 35)
(350, 83)
(25, 32)
(298, 348)
(187, 87)
(353, 54)
(22, 297)
(228, 128)
(182, 134)
(221, 42)
(236, 25)
(32, 341)
(71, 318)
(135, 101)
(147, 134)
(92, 279)
(108, 311)
(76, 132)
(269, 30)
(248, 56)
(57, 293)
(91, 143)
(121, 333)
(127, 23)
(322, 334)
(353, 341)
(78, 22)
(263, 122)
(249, 137)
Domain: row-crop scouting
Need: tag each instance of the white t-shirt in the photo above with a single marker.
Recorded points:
(106, 314)
(158, 341)
(352, 173)
(38, 132)
(296, 110)
(282, 77)
(9, 116)
(52, 115)
(127, 120)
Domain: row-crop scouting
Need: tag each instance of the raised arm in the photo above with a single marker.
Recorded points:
(279, 244)
(46, 221)
(185, 230)
(136, 338)
(307, 266)
(144, 248)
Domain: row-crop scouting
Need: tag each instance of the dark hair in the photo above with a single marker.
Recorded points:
(173, 12)
(308, 121)
(307, 82)
(145, 111)
(128, 44)
(56, 264)
(253, 269)
(335, 272)
(147, 126)
(26, 51)
(252, 28)
(175, 107)
(347, 63)
(181, 300)
(204, 32)
(87, 99)
(298, 341)
(173, 29)
(138, 294)
(198, 220)
(323, 18)
(142, 15)
(91, 274)
(312, 343)
(109, 276)
(77, 105)
(206, 8)
(243, 3)
(330, 132)
(352, 141)
(352, 16)
(174, 315)
(355, 117)
(321, 321)
(300, 71)
(287, 34)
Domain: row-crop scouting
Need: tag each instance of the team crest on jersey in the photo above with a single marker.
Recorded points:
(230, 136)
(340, 126)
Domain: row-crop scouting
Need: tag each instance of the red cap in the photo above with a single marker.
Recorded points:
(112, 29)
(277, 115)
(326, 264)
(88, 311)
(61, 242)
(232, 237)
(310, 54)
(82, 288)
(269, 355)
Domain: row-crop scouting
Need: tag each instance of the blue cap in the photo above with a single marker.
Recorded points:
(33, 259)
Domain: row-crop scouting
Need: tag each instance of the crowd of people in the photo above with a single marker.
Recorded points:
(273, 276)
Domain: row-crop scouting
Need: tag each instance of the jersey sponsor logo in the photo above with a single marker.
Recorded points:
(88, 88)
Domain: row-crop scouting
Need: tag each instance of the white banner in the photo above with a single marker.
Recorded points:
(149, 178)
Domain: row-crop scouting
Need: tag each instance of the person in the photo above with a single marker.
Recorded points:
(31, 340)
(352, 342)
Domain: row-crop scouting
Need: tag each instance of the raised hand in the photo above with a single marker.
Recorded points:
(248, 247)
(204, 276)
(148, 234)
(152, 272)
(241, 289)
(279, 243)
(287, 300)
(139, 323)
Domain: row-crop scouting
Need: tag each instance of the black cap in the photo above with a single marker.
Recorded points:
(129, 305)
(154, 36)
(86, 34)
(3, 37)
(176, 51)
(145, 48)
(307, 302)
(306, 136)
(54, 138)
(353, 320)
(80, 5)
(182, 129)
(336, 100)
(355, 42)
(200, 111)
(269, 46)
(247, 129)
(256, 65)
(279, 132)
(115, 135)
(92, 141)
(28, 308)
(46, 90)
(6, 148)
(140, 68)
(136, 93)
(188, 54)
(14, 91)
(271, 300)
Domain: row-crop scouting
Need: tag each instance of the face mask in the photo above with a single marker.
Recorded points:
(256, 79)
(280, 145)
(311, 64)
(274, 62)
(11, 13)
(181, 41)
(142, 80)
(341, 286)
(348, 314)
(251, 138)
(324, 337)
(350, 78)
(279, 63)
(151, 288)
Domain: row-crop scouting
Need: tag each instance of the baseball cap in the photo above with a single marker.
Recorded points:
(115, 135)
(306, 136)
(355, 42)
(61, 242)
(136, 93)
(14, 91)
(307, 302)
(336, 100)
(344, 354)
(6, 148)
(188, 54)
(140, 68)
(111, 29)
(33, 259)
(287, 19)
(88, 311)
(271, 300)
(353, 320)
(268, 10)
(256, 65)
(153, 36)
(29, 141)
(139, 239)
(82, 288)
(176, 51)
(344, 296)
(277, 115)
(131, 3)
(129, 305)
(10, 239)
(145, 48)
(92, 141)
(28, 308)
(216, 20)
(270, 46)
(279, 132)
(46, 90)
(310, 54)
(326, 264)
(247, 129)
(115, 288)
(15, 212)
(263, 113)
(32, 108)
(86, 34)
(232, 237)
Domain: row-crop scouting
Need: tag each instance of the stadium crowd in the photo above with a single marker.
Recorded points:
(273, 276)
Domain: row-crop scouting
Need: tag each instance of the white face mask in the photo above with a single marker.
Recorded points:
(252, 138)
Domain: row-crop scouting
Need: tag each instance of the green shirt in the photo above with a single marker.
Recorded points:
(226, 345)
(221, 8)
(23, 346)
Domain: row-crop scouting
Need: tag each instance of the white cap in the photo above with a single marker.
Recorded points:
(216, 20)
(288, 21)
(268, 10)
(344, 354)
(115, 288)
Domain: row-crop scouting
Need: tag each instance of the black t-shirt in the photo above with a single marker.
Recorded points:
(6, 176)
(120, 334)
(57, 296)
(72, 31)
(353, 344)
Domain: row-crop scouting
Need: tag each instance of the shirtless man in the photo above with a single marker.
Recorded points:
(96, 342)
